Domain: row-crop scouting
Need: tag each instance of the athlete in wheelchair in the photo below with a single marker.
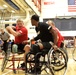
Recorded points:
(48, 37)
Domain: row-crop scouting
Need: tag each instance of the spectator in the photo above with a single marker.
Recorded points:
(5, 37)
(1, 44)
(74, 41)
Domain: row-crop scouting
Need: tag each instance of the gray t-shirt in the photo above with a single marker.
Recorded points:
(4, 36)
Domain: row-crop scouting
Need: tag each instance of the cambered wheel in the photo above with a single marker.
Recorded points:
(57, 59)
(5, 60)
(4, 63)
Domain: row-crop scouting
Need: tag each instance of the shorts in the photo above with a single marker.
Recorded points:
(46, 47)
(21, 47)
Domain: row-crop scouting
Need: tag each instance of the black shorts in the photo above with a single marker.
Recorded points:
(5, 46)
(21, 47)
(46, 48)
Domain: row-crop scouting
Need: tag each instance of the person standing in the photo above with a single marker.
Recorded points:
(5, 37)
(1, 44)
(74, 38)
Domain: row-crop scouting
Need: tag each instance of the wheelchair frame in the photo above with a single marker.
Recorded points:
(13, 59)
(48, 64)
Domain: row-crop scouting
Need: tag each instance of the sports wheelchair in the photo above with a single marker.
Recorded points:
(14, 57)
(50, 62)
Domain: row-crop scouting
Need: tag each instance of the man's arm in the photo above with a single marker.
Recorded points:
(37, 37)
(8, 37)
(12, 31)
(54, 33)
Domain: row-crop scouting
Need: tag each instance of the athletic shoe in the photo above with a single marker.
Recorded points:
(22, 66)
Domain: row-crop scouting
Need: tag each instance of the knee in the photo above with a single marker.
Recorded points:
(27, 48)
(40, 45)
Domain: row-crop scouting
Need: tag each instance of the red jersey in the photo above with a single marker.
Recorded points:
(24, 35)
(60, 37)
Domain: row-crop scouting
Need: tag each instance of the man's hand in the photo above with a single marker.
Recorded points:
(26, 42)
(55, 47)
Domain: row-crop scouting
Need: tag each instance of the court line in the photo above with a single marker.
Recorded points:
(7, 72)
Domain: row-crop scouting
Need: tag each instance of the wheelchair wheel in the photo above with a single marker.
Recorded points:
(5, 60)
(4, 63)
(29, 62)
(74, 54)
(57, 59)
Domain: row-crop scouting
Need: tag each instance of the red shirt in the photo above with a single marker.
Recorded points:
(24, 35)
(60, 37)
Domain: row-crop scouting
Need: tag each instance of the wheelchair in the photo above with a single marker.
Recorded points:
(50, 62)
(7, 56)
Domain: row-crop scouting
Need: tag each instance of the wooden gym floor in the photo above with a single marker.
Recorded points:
(71, 69)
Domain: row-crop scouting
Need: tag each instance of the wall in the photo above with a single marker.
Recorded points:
(54, 8)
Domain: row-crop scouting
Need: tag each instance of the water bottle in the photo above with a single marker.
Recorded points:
(14, 48)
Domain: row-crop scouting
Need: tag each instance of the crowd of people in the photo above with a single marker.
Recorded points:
(47, 33)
